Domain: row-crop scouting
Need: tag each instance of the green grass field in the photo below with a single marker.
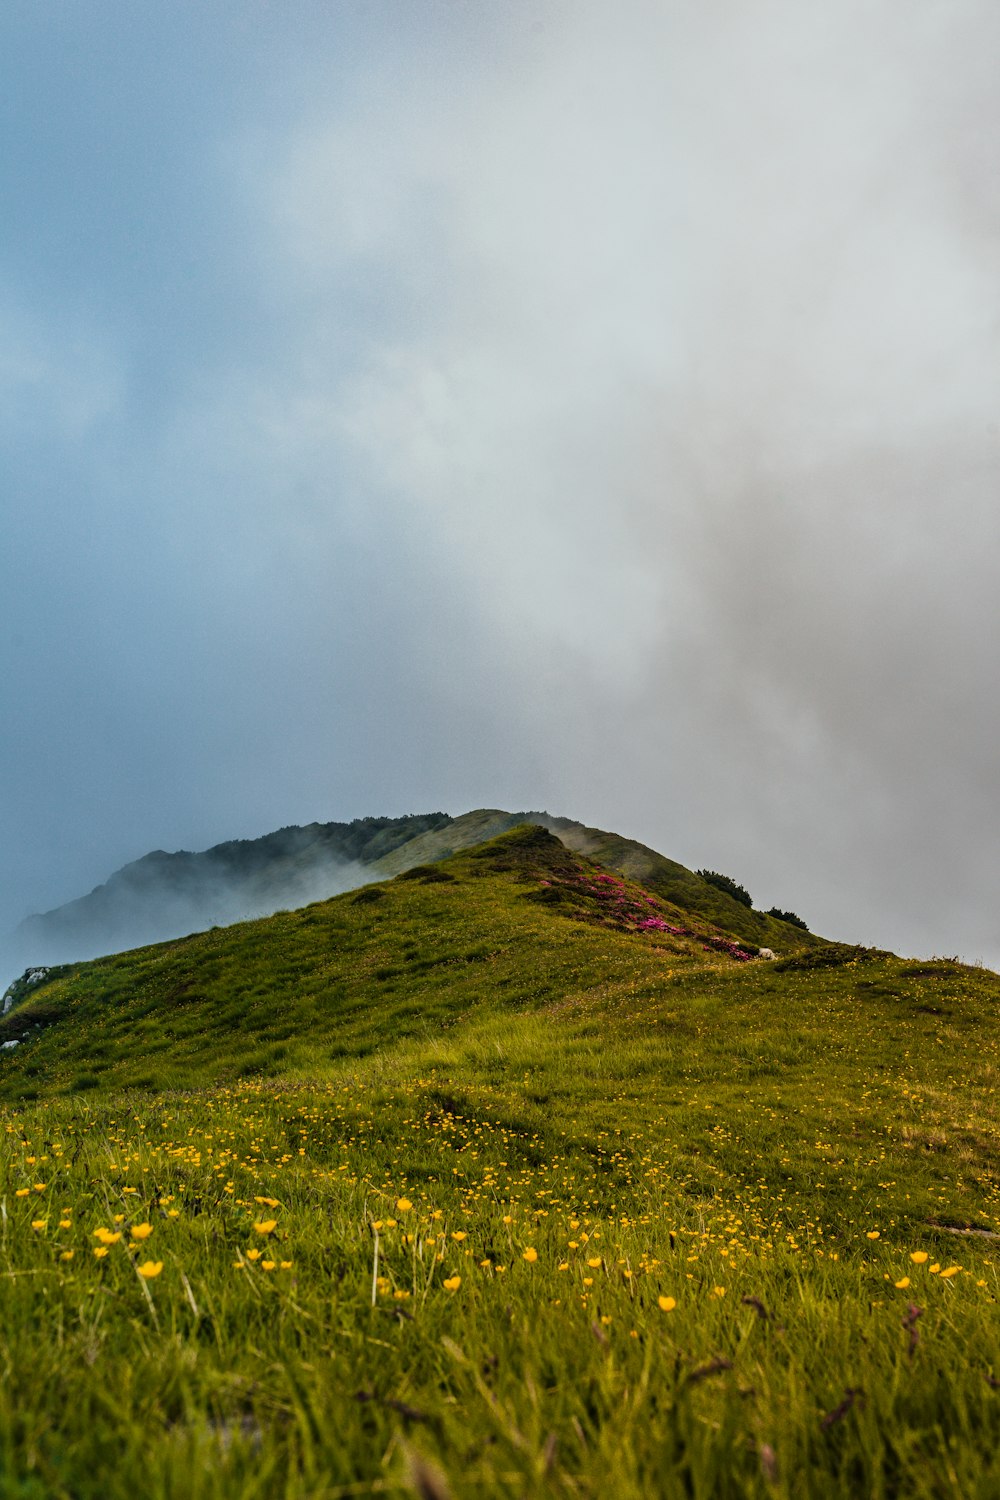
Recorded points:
(484, 1186)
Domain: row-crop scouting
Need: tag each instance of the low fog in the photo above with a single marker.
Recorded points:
(169, 895)
(155, 899)
(556, 405)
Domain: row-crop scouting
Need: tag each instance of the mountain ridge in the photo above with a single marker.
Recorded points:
(167, 895)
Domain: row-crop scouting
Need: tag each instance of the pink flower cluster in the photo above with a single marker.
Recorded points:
(726, 945)
(619, 908)
(657, 924)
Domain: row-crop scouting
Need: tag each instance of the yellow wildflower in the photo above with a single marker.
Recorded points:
(150, 1268)
(918, 1257)
(403, 1205)
(452, 1283)
(100, 1251)
(265, 1226)
(531, 1254)
(267, 1265)
(594, 1262)
(666, 1304)
(951, 1271)
(67, 1255)
(141, 1231)
(902, 1283)
(253, 1255)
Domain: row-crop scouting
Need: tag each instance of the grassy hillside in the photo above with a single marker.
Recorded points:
(627, 857)
(676, 883)
(485, 1182)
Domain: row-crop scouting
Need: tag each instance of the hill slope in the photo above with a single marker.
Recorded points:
(500, 1177)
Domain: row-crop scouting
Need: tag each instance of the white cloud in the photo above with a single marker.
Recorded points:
(654, 250)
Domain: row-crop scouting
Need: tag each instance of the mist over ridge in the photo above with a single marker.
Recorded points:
(166, 895)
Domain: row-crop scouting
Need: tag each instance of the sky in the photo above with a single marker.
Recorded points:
(582, 406)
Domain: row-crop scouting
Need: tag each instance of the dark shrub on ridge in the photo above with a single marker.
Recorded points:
(723, 883)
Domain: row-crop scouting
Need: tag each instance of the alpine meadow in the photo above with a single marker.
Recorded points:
(507, 1175)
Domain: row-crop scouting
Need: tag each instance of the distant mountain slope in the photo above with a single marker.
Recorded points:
(167, 895)
(164, 895)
